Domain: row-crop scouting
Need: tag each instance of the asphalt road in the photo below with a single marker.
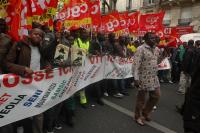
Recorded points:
(116, 116)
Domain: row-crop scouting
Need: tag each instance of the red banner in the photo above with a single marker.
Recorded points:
(38, 7)
(151, 22)
(133, 24)
(13, 18)
(42, 6)
(76, 13)
(20, 15)
(19, 18)
(110, 22)
(123, 17)
(177, 31)
(95, 14)
(123, 20)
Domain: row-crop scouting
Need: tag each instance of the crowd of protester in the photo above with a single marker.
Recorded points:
(37, 51)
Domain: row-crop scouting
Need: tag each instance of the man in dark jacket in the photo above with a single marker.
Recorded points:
(97, 46)
(188, 58)
(48, 48)
(23, 59)
(191, 113)
(5, 44)
(186, 67)
(111, 50)
(121, 51)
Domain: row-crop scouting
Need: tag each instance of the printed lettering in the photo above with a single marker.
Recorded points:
(11, 105)
(67, 70)
(32, 99)
(3, 111)
(95, 9)
(38, 76)
(27, 80)
(8, 77)
(46, 95)
(49, 75)
(4, 98)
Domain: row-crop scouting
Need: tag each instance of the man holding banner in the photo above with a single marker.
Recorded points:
(4, 48)
(83, 43)
(23, 59)
(146, 79)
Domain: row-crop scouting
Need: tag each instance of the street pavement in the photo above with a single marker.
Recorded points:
(116, 116)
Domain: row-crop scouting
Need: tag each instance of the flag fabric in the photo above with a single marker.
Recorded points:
(110, 22)
(152, 23)
(19, 18)
(95, 14)
(132, 22)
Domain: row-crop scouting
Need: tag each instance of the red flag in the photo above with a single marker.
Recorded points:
(19, 19)
(42, 6)
(123, 19)
(38, 6)
(76, 14)
(52, 3)
(110, 22)
(151, 22)
(95, 14)
(52, 7)
(177, 31)
(133, 24)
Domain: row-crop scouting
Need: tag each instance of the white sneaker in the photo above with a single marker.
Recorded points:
(105, 94)
(58, 127)
(170, 82)
(161, 81)
(20, 130)
(118, 95)
(181, 92)
(154, 107)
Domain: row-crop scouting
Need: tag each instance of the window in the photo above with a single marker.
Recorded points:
(128, 4)
(151, 1)
(121, 5)
(186, 16)
(167, 18)
(186, 12)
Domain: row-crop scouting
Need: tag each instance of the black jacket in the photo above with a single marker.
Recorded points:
(191, 114)
(5, 45)
(48, 46)
(187, 64)
(97, 47)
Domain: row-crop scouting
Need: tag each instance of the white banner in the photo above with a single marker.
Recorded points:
(25, 97)
(164, 65)
(118, 68)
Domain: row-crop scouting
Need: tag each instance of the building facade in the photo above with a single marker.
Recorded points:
(123, 5)
(177, 12)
